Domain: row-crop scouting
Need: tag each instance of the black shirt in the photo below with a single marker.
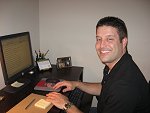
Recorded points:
(124, 89)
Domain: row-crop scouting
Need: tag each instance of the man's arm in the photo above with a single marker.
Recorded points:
(91, 88)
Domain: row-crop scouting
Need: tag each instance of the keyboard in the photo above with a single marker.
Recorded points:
(75, 97)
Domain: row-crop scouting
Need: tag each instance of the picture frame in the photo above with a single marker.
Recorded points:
(44, 64)
(64, 62)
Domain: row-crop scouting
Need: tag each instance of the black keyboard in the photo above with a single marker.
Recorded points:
(75, 97)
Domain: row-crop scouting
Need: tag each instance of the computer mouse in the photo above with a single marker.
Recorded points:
(52, 82)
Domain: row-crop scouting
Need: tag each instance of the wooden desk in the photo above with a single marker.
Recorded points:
(73, 73)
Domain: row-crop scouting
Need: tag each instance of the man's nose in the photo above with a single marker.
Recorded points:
(103, 43)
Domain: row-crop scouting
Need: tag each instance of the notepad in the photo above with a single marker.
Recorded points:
(42, 104)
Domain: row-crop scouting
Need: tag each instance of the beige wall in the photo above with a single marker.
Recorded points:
(19, 16)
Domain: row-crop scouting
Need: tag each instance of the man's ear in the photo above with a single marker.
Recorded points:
(125, 42)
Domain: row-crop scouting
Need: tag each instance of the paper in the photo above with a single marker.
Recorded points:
(17, 84)
(42, 104)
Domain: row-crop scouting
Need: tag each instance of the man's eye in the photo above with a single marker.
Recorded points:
(109, 39)
(98, 39)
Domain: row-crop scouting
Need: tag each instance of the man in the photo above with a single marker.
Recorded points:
(123, 88)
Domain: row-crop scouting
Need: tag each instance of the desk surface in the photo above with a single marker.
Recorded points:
(73, 73)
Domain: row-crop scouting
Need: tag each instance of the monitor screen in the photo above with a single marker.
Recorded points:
(16, 56)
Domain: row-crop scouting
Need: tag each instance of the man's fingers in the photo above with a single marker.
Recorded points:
(58, 85)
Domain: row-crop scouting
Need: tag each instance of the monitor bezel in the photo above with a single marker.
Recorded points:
(15, 77)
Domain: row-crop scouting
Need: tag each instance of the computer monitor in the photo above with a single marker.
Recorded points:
(15, 56)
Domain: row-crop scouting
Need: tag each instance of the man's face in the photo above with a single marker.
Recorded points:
(108, 45)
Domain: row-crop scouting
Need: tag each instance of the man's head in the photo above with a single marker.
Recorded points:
(111, 40)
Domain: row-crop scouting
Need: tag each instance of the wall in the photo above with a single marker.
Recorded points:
(19, 16)
(67, 28)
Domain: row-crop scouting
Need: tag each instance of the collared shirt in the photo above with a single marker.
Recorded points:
(124, 89)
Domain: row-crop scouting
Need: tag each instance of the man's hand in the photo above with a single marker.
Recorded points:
(69, 85)
(57, 99)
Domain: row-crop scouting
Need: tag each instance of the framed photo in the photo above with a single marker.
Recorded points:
(44, 64)
(64, 62)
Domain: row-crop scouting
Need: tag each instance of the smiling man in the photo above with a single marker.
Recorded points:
(123, 88)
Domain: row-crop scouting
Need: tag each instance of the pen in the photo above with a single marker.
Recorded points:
(36, 53)
(29, 103)
(46, 53)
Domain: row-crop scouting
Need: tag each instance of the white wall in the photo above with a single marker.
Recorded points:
(67, 28)
(19, 16)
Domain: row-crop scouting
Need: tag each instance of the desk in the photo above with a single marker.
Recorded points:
(73, 73)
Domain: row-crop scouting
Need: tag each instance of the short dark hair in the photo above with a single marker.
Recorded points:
(116, 23)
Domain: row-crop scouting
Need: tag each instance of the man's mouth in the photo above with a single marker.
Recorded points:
(105, 51)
